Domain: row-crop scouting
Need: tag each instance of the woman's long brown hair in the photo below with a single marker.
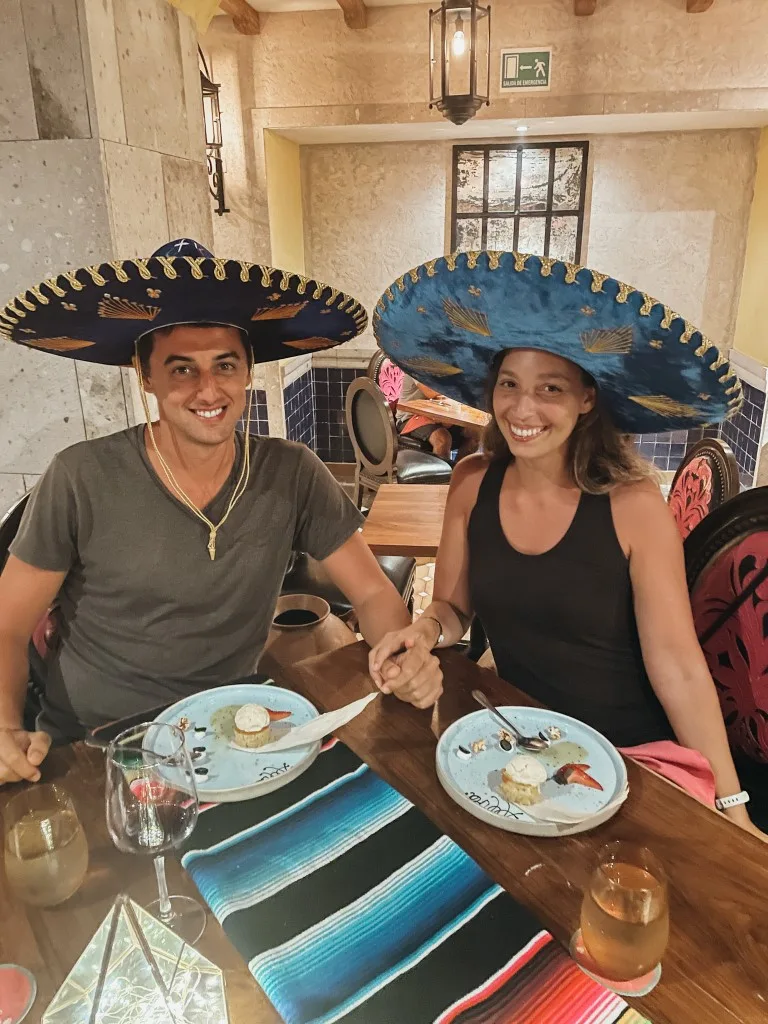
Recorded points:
(600, 457)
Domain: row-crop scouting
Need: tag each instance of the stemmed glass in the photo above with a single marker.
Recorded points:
(152, 807)
(624, 920)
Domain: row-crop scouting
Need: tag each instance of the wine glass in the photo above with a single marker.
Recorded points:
(624, 920)
(152, 807)
(46, 852)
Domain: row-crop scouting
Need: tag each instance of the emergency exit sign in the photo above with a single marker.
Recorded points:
(525, 69)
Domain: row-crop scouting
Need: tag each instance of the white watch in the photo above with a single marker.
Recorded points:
(732, 801)
(441, 635)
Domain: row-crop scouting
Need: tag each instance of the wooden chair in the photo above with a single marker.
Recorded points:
(378, 455)
(707, 477)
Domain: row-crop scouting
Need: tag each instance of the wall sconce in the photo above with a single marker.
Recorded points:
(213, 142)
(459, 58)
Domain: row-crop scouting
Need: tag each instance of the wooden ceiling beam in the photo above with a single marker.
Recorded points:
(698, 6)
(355, 13)
(582, 8)
(244, 17)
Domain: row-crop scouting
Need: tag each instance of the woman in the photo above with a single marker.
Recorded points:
(558, 537)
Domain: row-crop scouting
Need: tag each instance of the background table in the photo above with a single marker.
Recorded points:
(447, 411)
(49, 941)
(716, 967)
(406, 519)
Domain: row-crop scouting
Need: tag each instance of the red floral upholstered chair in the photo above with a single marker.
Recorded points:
(708, 476)
(389, 379)
(727, 566)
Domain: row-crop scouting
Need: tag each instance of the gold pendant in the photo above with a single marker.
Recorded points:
(212, 544)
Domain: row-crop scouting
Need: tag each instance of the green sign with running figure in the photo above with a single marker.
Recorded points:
(525, 69)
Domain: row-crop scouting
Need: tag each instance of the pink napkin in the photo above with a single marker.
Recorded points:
(687, 768)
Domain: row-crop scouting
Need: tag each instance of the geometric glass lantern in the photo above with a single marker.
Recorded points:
(459, 58)
(213, 140)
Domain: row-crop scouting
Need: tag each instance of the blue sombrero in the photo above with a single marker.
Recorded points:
(98, 313)
(445, 321)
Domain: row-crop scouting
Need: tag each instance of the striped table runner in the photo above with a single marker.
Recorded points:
(349, 905)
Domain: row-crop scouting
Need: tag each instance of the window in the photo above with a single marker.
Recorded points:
(527, 197)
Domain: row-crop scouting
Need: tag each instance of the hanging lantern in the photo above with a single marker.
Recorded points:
(213, 139)
(459, 58)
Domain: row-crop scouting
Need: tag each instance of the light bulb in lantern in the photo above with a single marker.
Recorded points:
(458, 43)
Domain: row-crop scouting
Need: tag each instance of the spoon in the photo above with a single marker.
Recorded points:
(533, 743)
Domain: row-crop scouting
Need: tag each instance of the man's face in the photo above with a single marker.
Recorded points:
(199, 377)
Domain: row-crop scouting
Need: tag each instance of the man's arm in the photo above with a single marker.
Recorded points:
(26, 593)
(381, 610)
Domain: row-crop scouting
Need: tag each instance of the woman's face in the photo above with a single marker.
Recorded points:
(537, 401)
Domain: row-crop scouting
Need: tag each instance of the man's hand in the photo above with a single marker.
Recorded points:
(21, 753)
(402, 663)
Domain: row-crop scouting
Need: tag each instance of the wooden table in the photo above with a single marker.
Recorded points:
(716, 967)
(447, 411)
(49, 941)
(406, 519)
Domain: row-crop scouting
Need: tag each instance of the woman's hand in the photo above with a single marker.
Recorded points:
(402, 663)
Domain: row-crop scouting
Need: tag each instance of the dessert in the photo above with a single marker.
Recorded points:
(575, 775)
(251, 726)
(521, 780)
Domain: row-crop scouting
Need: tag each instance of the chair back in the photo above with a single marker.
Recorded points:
(371, 427)
(707, 477)
(387, 377)
(726, 559)
(9, 527)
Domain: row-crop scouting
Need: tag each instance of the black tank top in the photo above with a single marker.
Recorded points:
(561, 625)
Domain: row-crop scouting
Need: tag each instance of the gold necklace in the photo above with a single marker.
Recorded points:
(242, 482)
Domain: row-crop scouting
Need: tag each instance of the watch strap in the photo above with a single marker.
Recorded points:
(722, 803)
(441, 635)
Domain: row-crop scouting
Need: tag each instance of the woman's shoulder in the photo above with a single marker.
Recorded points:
(466, 479)
(640, 510)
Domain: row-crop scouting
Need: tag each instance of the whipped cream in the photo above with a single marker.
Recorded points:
(251, 718)
(525, 770)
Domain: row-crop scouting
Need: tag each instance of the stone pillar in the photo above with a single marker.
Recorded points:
(101, 157)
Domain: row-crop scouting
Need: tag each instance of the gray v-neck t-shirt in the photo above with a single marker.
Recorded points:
(147, 617)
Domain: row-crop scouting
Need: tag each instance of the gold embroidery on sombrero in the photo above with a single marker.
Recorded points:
(664, 405)
(719, 363)
(625, 290)
(704, 397)
(69, 306)
(736, 387)
(219, 268)
(58, 344)
(598, 280)
(421, 309)
(274, 297)
(390, 294)
(608, 341)
(301, 287)
(669, 317)
(266, 275)
(16, 311)
(193, 262)
(376, 315)
(430, 268)
(96, 276)
(125, 309)
(703, 348)
(53, 284)
(26, 330)
(153, 293)
(346, 334)
(450, 261)
(474, 291)
(142, 265)
(521, 258)
(6, 318)
(414, 275)
(379, 305)
(71, 276)
(547, 263)
(494, 259)
(279, 312)
(588, 310)
(317, 294)
(467, 319)
(400, 283)
(310, 343)
(26, 303)
(285, 281)
(120, 274)
(571, 270)
(688, 333)
(332, 297)
(648, 304)
(245, 271)
(432, 366)
(42, 299)
(656, 343)
(472, 258)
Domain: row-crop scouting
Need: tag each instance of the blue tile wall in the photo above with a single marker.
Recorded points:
(742, 432)
(330, 388)
(259, 417)
(299, 403)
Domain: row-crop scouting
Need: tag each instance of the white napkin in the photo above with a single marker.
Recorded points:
(550, 810)
(314, 730)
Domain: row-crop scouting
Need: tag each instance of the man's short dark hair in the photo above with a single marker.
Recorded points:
(146, 343)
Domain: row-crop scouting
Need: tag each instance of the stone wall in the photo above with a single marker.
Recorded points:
(101, 157)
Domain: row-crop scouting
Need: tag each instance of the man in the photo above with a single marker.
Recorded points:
(441, 439)
(165, 545)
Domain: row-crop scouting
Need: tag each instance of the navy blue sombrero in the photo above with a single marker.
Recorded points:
(98, 313)
(444, 321)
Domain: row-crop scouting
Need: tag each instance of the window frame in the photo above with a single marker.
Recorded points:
(517, 214)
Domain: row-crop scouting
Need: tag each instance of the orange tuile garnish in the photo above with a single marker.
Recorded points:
(576, 775)
(277, 716)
